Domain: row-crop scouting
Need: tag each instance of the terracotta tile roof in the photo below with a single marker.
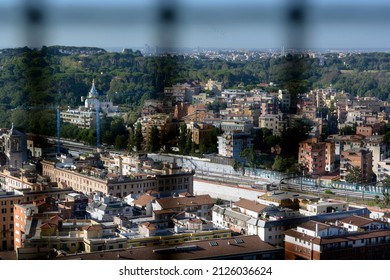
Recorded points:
(185, 194)
(302, 236)
(311, 225)
(143, 200)
(55, 219)
(148, 225)
(250, 205)
(47, 225)
(175, 202)
(195, 221)
(152, 192)
(358, 221)
(92, 227)
(160, 212)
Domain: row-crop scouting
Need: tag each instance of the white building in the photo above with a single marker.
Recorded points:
(358, 223)
(92, 102)
(378, 149)
(383, 169)
(231, 144)
(273, 122)
(284, 100)
(105, 208)
(81, 118)
(85, 117)
(325, 206)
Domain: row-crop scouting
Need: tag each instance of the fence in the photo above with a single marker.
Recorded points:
(205, 165)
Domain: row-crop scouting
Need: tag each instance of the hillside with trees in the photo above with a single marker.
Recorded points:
(33, 82)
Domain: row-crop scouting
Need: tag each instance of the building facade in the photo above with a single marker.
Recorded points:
(357, 158)
(167, 182)
(13, 147)
(312, 156)
(231, 144)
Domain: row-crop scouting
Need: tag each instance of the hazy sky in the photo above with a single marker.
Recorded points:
(192, 23)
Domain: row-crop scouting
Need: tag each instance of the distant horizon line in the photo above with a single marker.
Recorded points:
(173, 48)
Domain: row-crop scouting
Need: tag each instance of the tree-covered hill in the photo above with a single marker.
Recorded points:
(60, 75)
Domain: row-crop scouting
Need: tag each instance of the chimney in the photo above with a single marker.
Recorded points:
(316, 234)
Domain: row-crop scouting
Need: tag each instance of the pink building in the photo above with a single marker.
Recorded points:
(312, 156)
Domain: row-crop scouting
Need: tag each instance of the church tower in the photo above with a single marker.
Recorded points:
(92, 101)
(14, 147)
(93, 93)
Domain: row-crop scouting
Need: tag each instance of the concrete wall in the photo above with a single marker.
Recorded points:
(224, 191)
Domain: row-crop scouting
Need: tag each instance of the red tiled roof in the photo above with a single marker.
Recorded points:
(92, 227)
(55, 219)
(175, 202)
(46, 225)
(358, 221)
(160, 212)
(250, 205)
(311, 225)
(148, 225)
(143, 200)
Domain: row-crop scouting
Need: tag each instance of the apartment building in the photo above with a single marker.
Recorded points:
(379, 149)
(312, 156)
(319, 241)
(269, 105)
(274, 221)
(199, 205)
(81, 118)
(330, 156)
(182, 92)
(361, 158)
(163, 122)
(284, 100)
(358, 223)
(275, 122)
(243, 125)
(200, 132)
(383, 168)
(168, 182)
(370, 129)
(12, 197)
(231, 144)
